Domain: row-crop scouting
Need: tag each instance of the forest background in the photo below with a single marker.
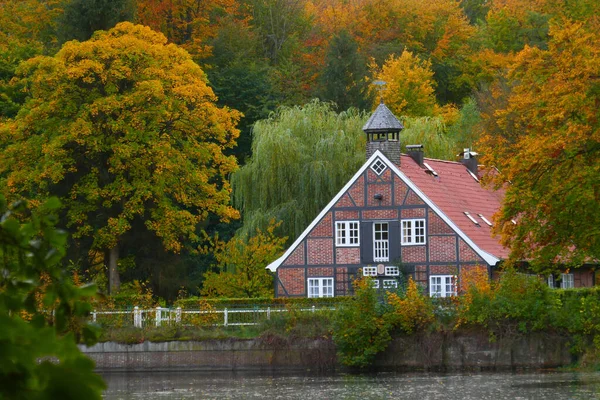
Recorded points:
(517, 80)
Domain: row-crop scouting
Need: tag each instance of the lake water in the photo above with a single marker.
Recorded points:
(422, 386)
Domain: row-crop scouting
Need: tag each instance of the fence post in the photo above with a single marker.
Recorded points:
(313, 308)
(178, 315)
(225, 317)
(268, 312)
(158, 316)
(94, 316)
(137, 317)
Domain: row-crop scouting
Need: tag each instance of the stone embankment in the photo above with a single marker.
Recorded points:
(433, 352)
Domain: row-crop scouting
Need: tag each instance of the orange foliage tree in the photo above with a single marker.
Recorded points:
(546, 143)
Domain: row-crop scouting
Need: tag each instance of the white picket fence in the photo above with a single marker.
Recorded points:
(160, 316)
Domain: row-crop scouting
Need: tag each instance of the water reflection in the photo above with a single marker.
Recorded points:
(202, 385)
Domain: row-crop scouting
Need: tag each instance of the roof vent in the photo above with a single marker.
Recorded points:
(485, 219)
(430, 170)
(473, 220)
(469, 160)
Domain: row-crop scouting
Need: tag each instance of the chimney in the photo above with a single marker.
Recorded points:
(469, 160)
(383, 134)
(415, 151)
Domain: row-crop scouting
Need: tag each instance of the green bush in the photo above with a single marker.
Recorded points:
(192, 302)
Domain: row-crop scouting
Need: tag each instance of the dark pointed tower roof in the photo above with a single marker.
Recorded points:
(382, 120)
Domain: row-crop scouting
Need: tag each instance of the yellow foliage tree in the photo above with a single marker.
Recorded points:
(409, 88)
(125, 130)
(412, 312)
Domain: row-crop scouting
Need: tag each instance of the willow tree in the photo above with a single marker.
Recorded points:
(124, 130)
(301, 157)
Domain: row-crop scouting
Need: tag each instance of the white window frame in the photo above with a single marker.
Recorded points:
(378, 163)
(442, 285)
(320, 287)
(392, 270)
(550, 281)
(381, 246)
(390, 284)
(413, 232)
(369, 271)
(567, 281)
(347, 234)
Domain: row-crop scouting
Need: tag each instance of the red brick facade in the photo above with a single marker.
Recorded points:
(318, 255)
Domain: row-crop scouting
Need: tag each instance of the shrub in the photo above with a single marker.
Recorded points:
(414, 311)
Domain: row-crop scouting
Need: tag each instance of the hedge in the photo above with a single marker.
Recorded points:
(193, 302)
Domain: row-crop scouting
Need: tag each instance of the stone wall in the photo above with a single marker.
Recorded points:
(437, 352)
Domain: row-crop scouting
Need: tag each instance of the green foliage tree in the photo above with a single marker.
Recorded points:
(301, 157)
(344, 78)
(38, 360)
(81, 18)
(124, 129)
(243, 265)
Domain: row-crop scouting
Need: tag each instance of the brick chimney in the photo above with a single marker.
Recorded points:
(383, 134)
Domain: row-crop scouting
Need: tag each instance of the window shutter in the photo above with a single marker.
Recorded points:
(394, 241)
(366, 242)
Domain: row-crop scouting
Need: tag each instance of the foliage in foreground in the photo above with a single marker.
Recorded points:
(38, 303)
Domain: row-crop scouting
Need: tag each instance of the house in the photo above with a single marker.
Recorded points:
(400, 214)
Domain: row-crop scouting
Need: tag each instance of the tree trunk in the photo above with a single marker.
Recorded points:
(114, 282)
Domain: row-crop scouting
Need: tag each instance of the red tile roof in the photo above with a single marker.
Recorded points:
(454, 190)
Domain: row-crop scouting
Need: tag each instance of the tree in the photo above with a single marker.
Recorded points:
(343, 79)
(124, 129)
(409, 86)
(81, 18)
(301, 157)
(546, 145)
(32, 336)
(243, 265)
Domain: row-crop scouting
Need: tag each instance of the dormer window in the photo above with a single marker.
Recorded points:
(378, 167)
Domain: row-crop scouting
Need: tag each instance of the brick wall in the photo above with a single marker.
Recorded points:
(385, 189)
(344, 201)
(320, 271)
(320, 251)
(346, 215)
(297, 256)
(380, 214)
(357, 192)
(400, 190)
(437, 225)
(413, 213)
(466, 253)
(292, 279)
(347, 255)
(411, 254)
(323, 228)
(421, 274)
(443, 270)
(442, 248)
(413, 199)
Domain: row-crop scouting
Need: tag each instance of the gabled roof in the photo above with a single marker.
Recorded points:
(455, 191)
(454, 194)
(382, 120)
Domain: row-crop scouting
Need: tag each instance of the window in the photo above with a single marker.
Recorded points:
(392, 271)
(369, 271)
(551, 283)
(346, 233)
(381, 244)
(378, 167)
(320, 287)
(442, 285)
(390, 284)
(567, 281)
(413, 231)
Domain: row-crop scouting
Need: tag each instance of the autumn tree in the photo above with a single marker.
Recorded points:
(242, 263)
(546, 145)
(124, 129)
(409, 88)
(301, 157)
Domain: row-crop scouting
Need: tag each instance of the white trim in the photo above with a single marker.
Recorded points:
(392, 270)
(390, 284)
(567, 281)
(413, 229)
(442, 285)
(369, 270)
(320, 287)
(489, 258)
(381, 247)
